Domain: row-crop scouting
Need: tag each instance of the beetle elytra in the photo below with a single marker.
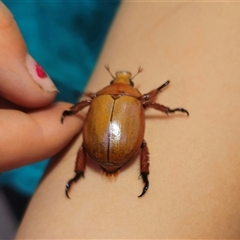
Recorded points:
(113, 131)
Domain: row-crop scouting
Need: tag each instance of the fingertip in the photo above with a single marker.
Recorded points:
(39, 75)
(23, 80)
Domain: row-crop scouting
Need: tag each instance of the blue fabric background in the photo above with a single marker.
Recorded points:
(65, 37)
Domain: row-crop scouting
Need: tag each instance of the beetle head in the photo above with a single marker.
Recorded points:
(123, 77)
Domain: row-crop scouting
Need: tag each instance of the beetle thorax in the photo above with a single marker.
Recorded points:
(123, 77)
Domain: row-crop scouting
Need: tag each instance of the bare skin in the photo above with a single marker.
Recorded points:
(194, 162)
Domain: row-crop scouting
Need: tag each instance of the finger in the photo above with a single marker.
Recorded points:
(27, 138)
(22, 80)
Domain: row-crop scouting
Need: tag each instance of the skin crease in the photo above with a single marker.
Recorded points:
(194, 162)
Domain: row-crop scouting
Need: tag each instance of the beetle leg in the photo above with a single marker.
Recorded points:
(164, 109)
(75, 108)
(153, 93)
(79, 169)
(75, 179)
(144, 165)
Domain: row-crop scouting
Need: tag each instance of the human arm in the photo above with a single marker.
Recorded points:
(194, 166)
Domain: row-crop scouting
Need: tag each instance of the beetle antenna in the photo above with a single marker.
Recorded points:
(108, 69)
(140, 69)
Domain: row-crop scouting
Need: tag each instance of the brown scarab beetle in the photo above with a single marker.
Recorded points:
(114, 127)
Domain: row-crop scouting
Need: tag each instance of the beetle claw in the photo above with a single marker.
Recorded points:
(66, 113)
(144, 176)
(75, 179)
(178, 110)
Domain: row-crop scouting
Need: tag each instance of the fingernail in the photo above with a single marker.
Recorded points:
(39, 75)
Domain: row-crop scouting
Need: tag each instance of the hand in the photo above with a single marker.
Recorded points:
(30, 123)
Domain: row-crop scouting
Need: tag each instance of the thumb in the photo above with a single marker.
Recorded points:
(22, 80)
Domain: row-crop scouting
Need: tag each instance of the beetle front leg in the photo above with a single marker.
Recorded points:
(75, 108)
(79, 169)
(164, 109)
(144, 167)
(148, 96)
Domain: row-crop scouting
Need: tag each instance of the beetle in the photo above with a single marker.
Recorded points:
(113, 131)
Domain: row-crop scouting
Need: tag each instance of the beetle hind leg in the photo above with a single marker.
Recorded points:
(79, 169)
(144, 176)
(144, 167)
(75, 179)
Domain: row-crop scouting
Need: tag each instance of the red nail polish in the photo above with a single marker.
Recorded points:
(40, 72)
